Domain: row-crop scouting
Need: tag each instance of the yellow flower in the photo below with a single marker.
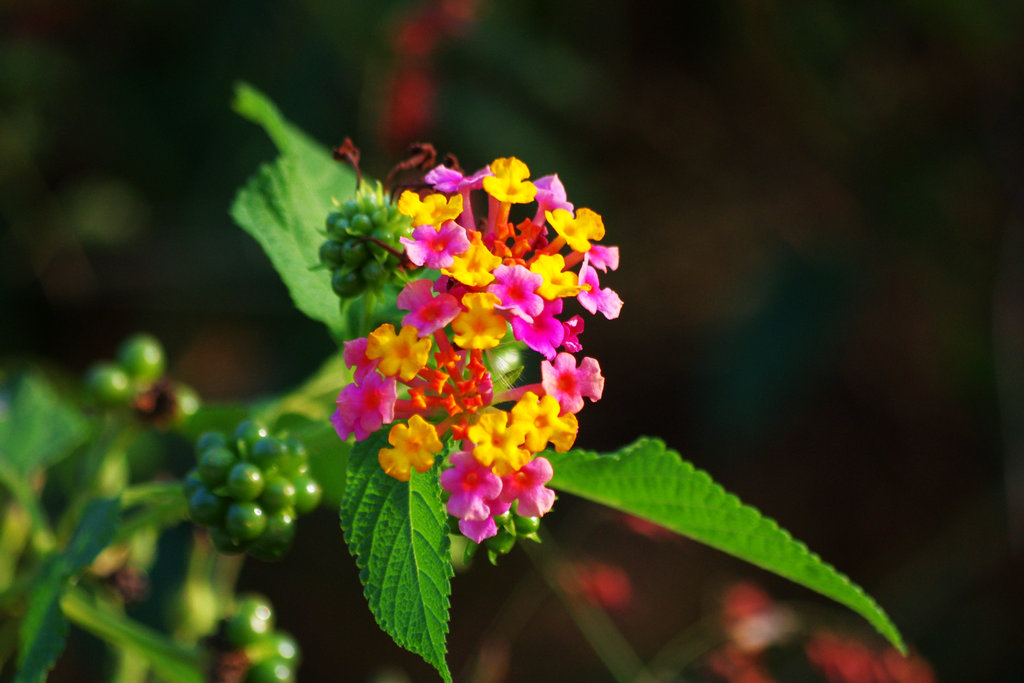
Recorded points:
(414, 448)
(478, 327)
(400, 354)
(578, 231)
(473, 267)
(542, 423)
(509, 182)
(557, 283)
(498, 443)
(434, 209)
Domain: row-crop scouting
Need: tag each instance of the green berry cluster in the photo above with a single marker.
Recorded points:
(272, 655)
(136, 378)
(362, 250)
(249, 488)
(511, 527)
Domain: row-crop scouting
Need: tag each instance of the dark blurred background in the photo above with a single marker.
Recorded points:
(819, 208)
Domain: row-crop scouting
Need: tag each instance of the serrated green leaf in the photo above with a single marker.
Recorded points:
(398, 534)
(284, 205)
(647, 480)
(44, 630)
(37, 428)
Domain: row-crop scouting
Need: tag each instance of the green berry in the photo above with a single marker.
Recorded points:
(245, 481)
(142, 357)
(226, 543)
(374, 274)
(354, 253)
(347, 283)
(331, 253)
(252, 621)
(245, 520)
(381, 218)
(295, 457)
(188, 401)
(214, 465)
(278, 493)
(526, 525)
(210, 440)
(361, 224)
(108, 384)
(268, 454)
(307, 493)
(501, 543)
(206, 507)
(350, 208)
(337, 225)
(247, 434)
(367, 204)
(281, 645)
(273, 670)
(276, 538)
(191, 483)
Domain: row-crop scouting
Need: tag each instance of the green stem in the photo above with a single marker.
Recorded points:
(593, 622)
(168, 659)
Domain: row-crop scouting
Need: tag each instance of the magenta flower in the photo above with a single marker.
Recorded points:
(355, 357)
(450, 181)
(550, 196)
(544, 334)
(516, 287)
(595, 299)
(477, 531)
(573, 329)
(472, 485)
(527, 486)
(436, 249)
(603, 258)
(365, 408)
(569, 384)
(427, 313)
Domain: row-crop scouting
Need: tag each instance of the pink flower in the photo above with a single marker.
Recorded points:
(595, 299)
(544, 333)
(472, 486)
(355, 357)
(428, 313)
(364, 408)
(550, 196)
(569, 384)
(603, 258)
(527, 486)
(449, 181)
(573, 329)
(516, 287)
(477, 531)
(438, 248)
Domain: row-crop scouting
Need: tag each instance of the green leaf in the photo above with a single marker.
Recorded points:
(649, 481)
(284, 205)
(36, 427)
(398, 533)
(44, 630)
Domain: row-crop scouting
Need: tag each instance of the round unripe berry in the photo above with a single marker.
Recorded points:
(501, 543)
(278, 493)
(526, 525)
(381, 218)
(245, 520)
(245, 481)
(280, 645)
(347, 283)
(225, 543)
(108, 384)
(354, 253)
(350, 208)
(331, 253)
(247, 434)
(142, 357)
(210, 440)
(188, 401)
(214, 465)
(253, 620)
(337, 225)
(374, 274)
(295, 457)
(272, 670)
(191, 482)
(206, 507)
(276, 538)
(361, 224)
(307, 493)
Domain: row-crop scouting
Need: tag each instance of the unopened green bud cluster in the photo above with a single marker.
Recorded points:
(362, 250)
(272, 655)
(511, 528)
(248, 489)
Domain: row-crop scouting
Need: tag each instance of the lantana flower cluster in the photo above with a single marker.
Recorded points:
(487, 281)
